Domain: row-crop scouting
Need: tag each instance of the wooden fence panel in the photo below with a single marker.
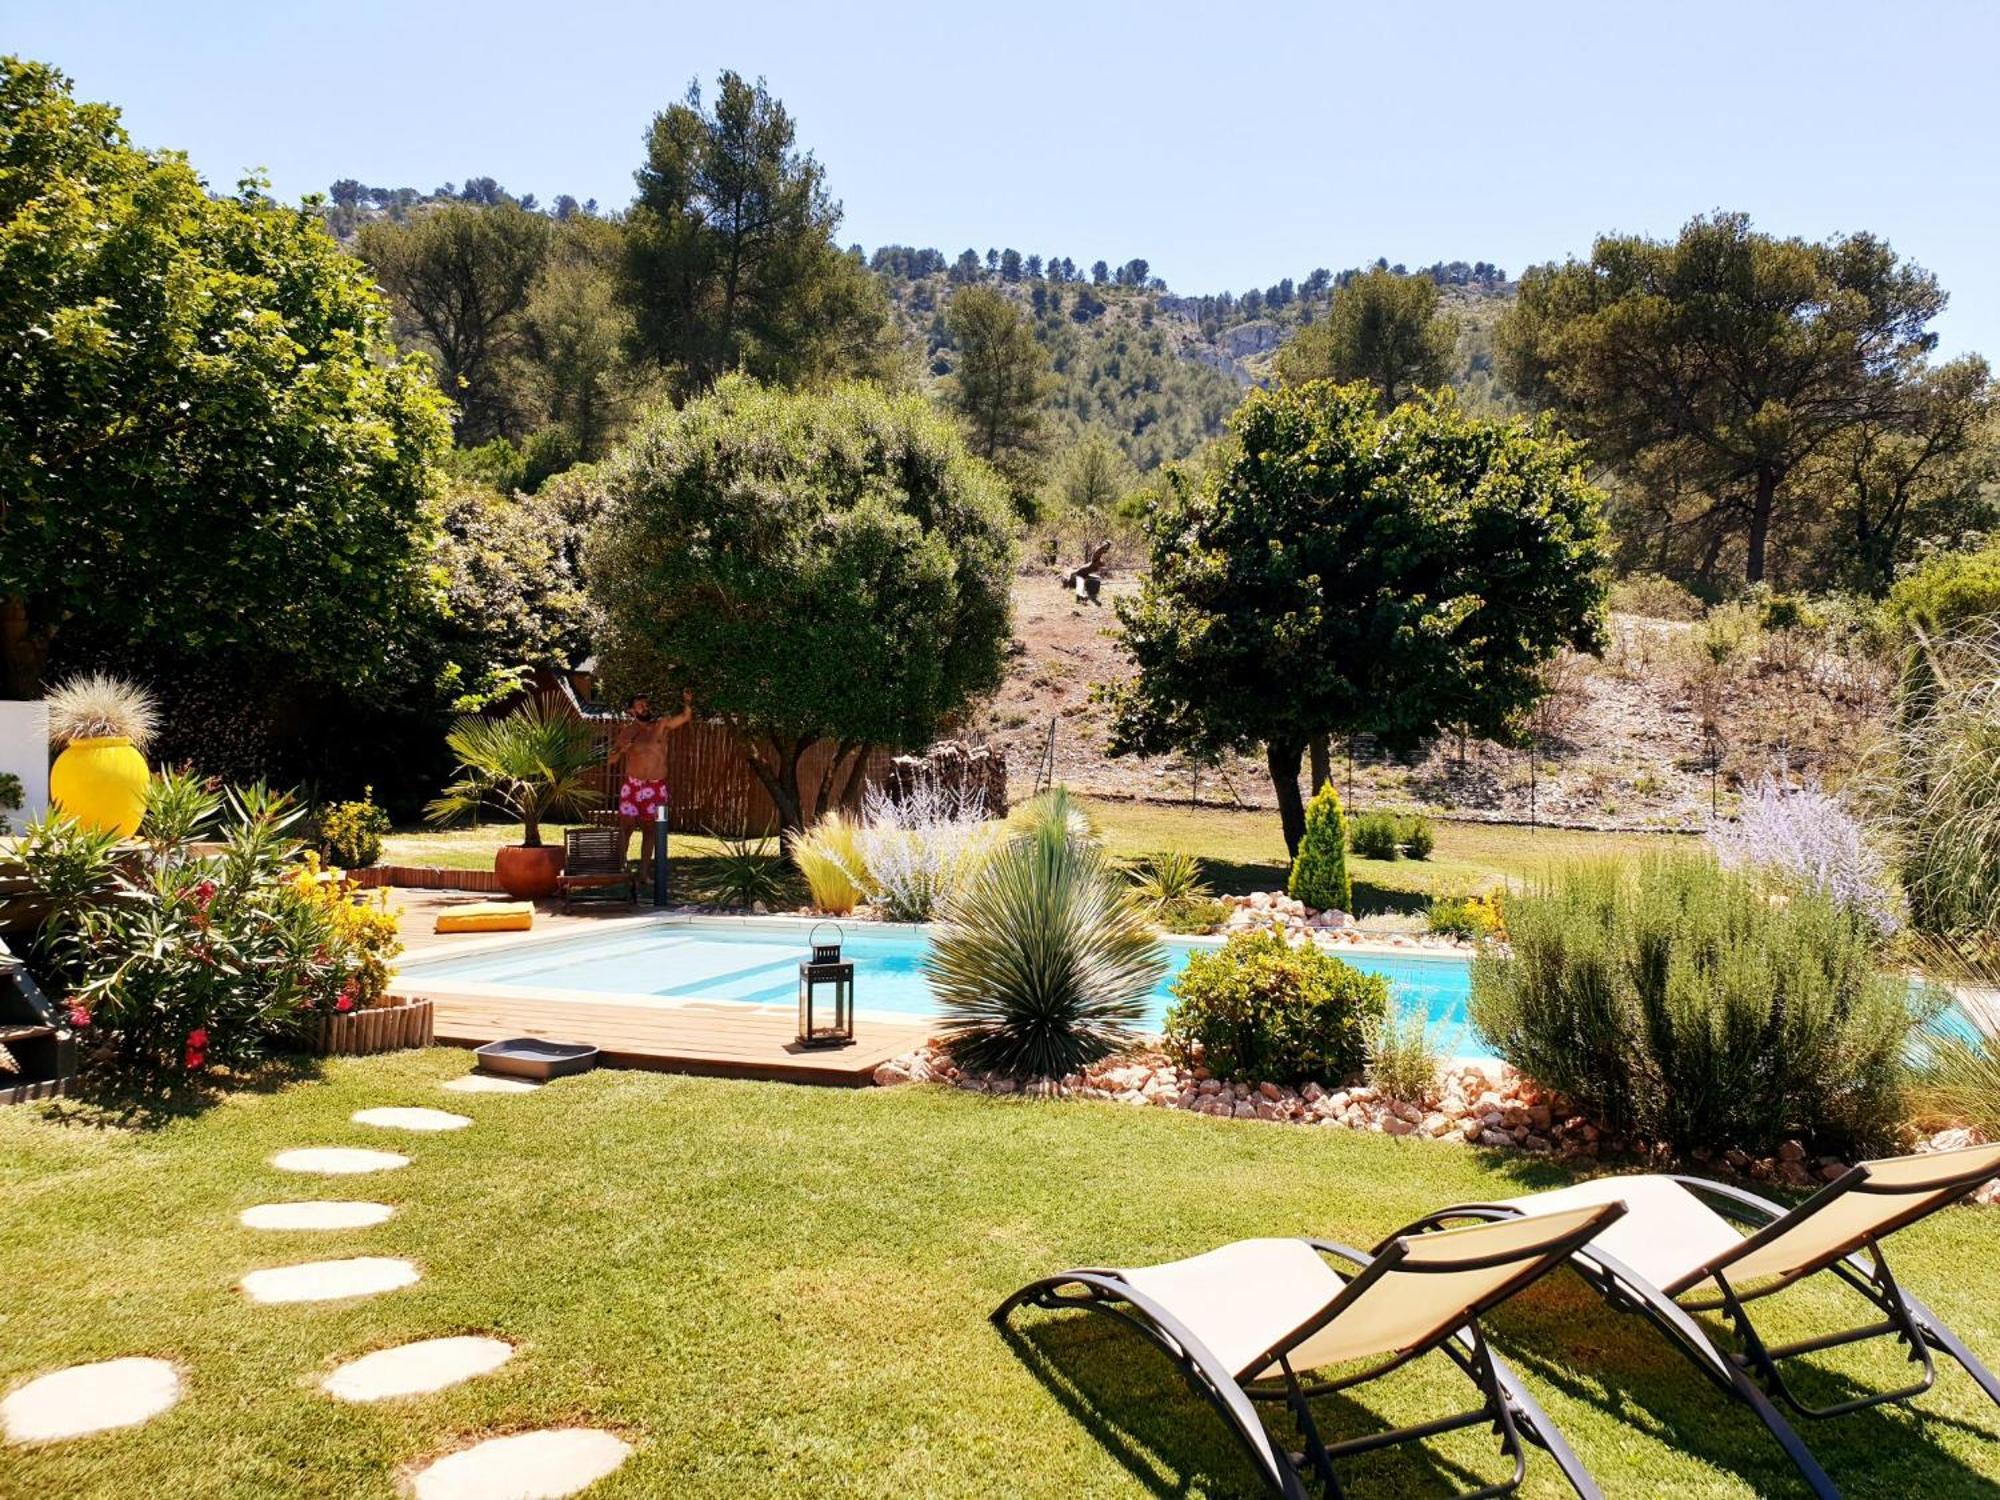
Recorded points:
(712, 787)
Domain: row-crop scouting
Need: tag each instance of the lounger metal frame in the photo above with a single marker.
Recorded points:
(1507, 1407)
(1750, 1372)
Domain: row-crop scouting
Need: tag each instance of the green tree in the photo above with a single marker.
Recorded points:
(1334, 570)
(460, 275)
(1711, 372)
(1000, 383)
(1319, 874)
(577, 336)
(207, 442)
(1382, 328)
(731, 261)
(813, 565)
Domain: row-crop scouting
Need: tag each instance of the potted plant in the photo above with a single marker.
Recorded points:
(104, 724)
(533, 764)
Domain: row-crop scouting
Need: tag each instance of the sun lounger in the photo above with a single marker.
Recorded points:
(1679, 1249)
(1246, 1322)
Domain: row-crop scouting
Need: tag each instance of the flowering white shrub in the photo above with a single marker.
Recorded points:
(1806, 835)
(917, 846)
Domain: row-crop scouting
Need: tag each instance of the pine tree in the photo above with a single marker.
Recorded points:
(1319, 874)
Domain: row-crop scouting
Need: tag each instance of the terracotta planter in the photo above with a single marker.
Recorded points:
(528, 874)
(382, 1028)
(101, 783)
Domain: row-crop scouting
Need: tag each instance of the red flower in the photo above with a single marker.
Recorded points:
(345, 1002)
(79, 1017)
(198, 1037)
(205, 892)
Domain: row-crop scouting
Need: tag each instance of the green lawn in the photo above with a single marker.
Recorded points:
(775, 1291)
(1243, 851)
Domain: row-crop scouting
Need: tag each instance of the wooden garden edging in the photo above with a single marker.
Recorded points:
(381, 1028)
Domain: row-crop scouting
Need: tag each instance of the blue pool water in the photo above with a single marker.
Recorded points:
(758, 964)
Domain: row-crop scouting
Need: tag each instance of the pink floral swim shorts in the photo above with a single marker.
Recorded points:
(638, 799)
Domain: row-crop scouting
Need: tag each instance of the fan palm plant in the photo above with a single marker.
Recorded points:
(535, 763)
(1043, 960)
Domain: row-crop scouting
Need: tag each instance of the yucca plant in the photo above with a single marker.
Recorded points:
(534, 764)
(1043, 960)
(1168, 880)
(828, 855)
(745, 872)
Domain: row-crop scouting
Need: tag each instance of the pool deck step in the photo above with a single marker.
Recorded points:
(723, 1040)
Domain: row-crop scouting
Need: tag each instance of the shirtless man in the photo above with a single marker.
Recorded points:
(640, 753)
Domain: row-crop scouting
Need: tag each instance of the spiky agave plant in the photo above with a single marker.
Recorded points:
(1042, 961)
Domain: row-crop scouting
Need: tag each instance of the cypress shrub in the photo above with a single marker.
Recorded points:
(1319, 874)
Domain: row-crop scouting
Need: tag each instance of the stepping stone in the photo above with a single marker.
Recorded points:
(314, 1215)
(487, 1083)
(338, 1161)
(413, 1369)
(524, 1466)
(329, 1280)
(89, 1398)
(411, 1119)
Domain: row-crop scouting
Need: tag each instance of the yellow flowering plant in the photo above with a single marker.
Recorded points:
(362, 928)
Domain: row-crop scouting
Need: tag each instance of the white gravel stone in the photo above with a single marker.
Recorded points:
(338, 1161)
(329, 1280)
(523, 1466)
(329, 1215)
(411, 1119)
(89, 1398)
(487, 1083)
(414, 1369)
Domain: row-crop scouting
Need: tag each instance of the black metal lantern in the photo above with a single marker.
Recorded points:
(826, 994)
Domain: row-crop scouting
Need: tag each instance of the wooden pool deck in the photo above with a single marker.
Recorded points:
(716, 1039)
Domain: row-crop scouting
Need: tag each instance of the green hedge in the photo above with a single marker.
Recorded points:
(1261, 1009)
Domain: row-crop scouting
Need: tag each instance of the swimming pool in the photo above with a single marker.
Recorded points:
(757, 963)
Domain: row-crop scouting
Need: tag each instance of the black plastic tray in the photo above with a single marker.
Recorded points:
(534, 1057)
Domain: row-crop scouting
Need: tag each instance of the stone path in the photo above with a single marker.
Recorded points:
(415, 1369)
(411, 1119)
(523, 1466)
(490, 1083)
(326, 1215)
(89, 1398)
(519, 1466)
(338, 1161)
(330, 1280)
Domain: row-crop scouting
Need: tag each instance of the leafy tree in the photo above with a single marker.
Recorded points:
(813, 565)
(1336, 570)
(1034, 268)
(207, 442)
(513, 596)
(1000, 383)
(460, 275)
(731, 260)
(1100, 273)
(1010, 265)
(1714, 370)
(1319, 874)
(965, 270)
(1094, 478)
(1382, 328)
(577, 336)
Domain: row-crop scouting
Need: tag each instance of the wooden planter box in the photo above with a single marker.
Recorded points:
(384, 1028)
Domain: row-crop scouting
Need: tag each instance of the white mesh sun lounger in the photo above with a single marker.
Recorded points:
(1679, 1248)
(1244, 1323)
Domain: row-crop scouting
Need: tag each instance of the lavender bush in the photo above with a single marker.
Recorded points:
(1806, 837)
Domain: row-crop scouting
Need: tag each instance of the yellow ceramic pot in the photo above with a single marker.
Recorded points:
(101, 783)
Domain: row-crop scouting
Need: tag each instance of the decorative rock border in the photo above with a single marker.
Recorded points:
(1477, 1104)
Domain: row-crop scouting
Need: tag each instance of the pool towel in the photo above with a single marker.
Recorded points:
(488, 916)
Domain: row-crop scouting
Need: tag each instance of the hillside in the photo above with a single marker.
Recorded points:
(1623, 746)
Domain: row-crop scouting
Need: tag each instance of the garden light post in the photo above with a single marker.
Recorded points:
(826, 1019)
(660, 854)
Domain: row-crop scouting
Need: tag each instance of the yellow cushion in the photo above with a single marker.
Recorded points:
(488, 916)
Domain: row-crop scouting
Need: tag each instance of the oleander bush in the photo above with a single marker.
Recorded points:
(1260, 1008)
(1681, 1001)
(1319, 873)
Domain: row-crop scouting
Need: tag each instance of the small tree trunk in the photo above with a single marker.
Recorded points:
(1760, 526)
(24, 650)
(780, 778)
(1321, 750)
(1283, 758)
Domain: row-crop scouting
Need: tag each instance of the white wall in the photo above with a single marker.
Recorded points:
(24, 750)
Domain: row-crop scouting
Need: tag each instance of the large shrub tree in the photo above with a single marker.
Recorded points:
(1736, 380)
(999, 384)
(1382, 328)
(206, 441)
(1339, 571)
(813, 565)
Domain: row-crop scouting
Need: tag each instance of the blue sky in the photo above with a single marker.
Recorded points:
(1228, 145)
